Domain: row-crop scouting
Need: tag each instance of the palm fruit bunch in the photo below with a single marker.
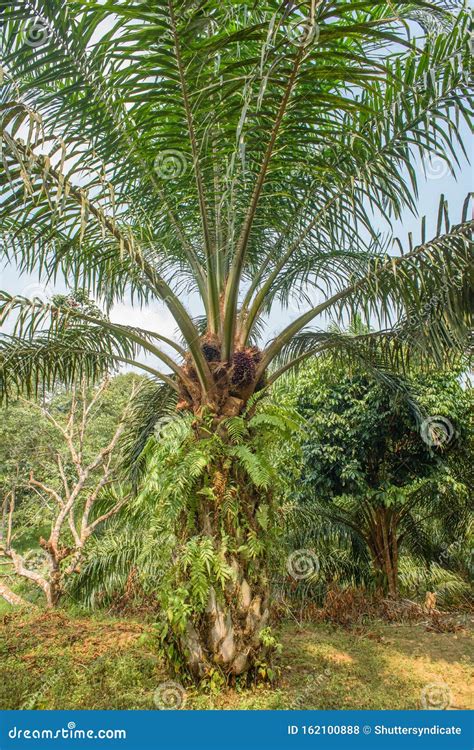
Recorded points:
(244, 366)
(211, 348)
(212, 353)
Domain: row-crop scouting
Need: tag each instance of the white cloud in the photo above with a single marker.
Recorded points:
(151, 317)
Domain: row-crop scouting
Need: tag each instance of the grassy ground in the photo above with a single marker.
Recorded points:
(56, 661)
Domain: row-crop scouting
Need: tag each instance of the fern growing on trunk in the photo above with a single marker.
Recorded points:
(211, 494)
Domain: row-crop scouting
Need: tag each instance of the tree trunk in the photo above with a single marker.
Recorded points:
(12, 598)
(224, 621)
(383, 544)
(227, 635)
(55, 589)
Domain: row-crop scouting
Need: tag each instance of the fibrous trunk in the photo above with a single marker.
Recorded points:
(224, 629)
(227, 634)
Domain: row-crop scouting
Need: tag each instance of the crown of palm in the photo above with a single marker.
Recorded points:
(168, 149)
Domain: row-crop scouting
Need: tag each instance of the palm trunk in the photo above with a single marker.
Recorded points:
(383, 544)
(223, 629)
(227, 635)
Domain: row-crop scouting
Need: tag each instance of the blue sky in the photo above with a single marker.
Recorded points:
(438, 181)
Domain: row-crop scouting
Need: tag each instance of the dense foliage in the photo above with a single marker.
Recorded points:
(388, 470)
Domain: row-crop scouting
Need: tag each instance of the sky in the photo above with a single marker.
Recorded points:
(156, 317)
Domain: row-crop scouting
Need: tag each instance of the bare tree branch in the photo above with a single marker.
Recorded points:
(82, 493)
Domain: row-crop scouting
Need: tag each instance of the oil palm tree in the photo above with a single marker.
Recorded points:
(236, 158)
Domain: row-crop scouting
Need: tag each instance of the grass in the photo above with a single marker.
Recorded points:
(58, 661)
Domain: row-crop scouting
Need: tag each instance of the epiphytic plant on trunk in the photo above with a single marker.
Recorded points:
(207, 152)
(211, 500)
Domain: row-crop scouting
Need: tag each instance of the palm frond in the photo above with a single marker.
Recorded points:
(402, 287)
(152, 408)
(209, 153)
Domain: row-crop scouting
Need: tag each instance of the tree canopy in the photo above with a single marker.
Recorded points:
(381, 467)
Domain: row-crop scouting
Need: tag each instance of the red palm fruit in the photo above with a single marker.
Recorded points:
(243, 368)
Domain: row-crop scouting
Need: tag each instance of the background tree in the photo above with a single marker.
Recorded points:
(161, 150)
(369, 464)
(67, 491)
